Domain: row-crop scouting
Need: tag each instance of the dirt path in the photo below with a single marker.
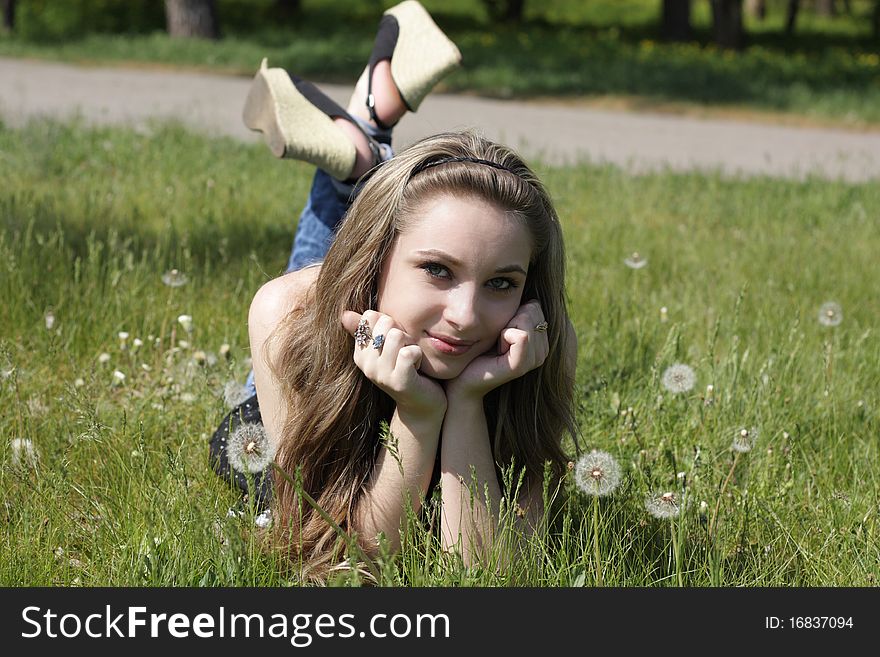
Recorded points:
(556, 133)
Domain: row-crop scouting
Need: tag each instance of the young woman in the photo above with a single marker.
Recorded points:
(439, 309)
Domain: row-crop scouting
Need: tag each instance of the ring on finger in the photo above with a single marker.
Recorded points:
(378, 341)
(362, 333)
(540, 328)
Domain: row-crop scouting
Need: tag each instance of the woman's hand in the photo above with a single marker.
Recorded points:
(394, 365)
(522, 346)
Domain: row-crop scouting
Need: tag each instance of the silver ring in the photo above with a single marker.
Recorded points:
(378, 341)
(362, 333)
(542, 327)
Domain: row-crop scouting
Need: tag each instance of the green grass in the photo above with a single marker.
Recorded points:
(829, 71)
(122, 493)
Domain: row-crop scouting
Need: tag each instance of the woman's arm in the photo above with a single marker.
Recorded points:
(471, 491)
(403, 470)
(469, 521)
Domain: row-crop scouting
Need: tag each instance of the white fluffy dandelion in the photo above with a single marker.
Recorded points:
(679, 378)
(186, 321)
(104, 358)
(597, 473)
(635, 260)
(744, 440)
(830, 314)
(23, 452)
(118, 378)
(264, 520)
(50, 320)
(174, 278)
(248, 448)
(235, 394)
(225, 351)
(663, 505)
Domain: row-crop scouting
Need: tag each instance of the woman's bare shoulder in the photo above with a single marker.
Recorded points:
(276, 298)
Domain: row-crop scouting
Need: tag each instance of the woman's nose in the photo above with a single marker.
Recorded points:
(461, 307)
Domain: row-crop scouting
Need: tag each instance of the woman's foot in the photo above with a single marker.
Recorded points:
(388, 105)
(418, 54)
(300, 122)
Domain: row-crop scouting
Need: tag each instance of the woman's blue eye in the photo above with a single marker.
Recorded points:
(435, 270)
(502, 284)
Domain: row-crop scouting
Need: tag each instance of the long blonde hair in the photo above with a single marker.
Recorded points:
(331, 433)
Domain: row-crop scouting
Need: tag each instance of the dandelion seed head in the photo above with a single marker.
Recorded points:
(118, 378)
(123, 336)
(664, 314)
(830, 314)
(635, 260)
(79, 382)
(50, 320)
(679, 378)
(663, 505)
(200, 357)
(174, 278)
(744, 440)
(264, 520)
(186, 321)
(225, 350)
(248, 448)
(597, 473)
(104, 358)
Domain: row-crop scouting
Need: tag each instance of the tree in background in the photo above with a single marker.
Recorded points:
(727, 23)
(9, 15)
(192, 18)
(676, 20)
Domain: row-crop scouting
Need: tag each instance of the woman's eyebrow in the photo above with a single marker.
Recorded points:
(437, 253)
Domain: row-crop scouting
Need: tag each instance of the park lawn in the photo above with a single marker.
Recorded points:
(601, 51)
(120, 492)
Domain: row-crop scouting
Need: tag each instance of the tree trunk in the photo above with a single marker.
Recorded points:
(676, 20)
(791, 16)
(192, 18)
(9, 14)
(876, 19)
(826, 8)
(727, 23)
(757, 8)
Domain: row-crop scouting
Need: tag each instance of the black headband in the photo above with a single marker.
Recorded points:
(462, 158)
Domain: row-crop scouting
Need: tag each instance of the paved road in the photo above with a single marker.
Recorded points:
(556, 133)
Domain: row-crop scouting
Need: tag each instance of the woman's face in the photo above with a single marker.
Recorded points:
(454, 279)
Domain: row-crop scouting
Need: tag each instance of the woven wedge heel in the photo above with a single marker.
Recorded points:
(296, 120)
(421, 54)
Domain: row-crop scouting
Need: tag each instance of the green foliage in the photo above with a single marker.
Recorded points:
(120, 491)
(830, 69)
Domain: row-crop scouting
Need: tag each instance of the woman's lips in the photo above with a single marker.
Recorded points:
(449, 348)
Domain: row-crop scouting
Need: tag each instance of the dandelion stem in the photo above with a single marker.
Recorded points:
(721, 495)
(676, 553)
(596, 555)
(352, 543)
